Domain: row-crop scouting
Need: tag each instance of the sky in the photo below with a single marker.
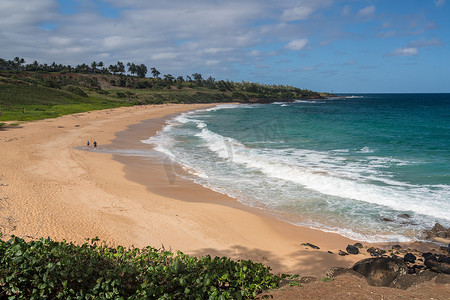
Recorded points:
(340, 46)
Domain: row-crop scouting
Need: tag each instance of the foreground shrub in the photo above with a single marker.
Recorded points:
(50, 269)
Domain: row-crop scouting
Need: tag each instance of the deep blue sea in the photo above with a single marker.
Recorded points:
(372, 167)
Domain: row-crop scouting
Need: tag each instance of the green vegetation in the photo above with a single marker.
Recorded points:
(38, 91)
(50, 269)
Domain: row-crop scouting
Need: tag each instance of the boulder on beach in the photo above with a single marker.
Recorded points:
(358, 245)
(381, 271)
(352, 249)
(376, 251)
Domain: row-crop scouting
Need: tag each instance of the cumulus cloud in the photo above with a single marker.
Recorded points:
(366, 11)
(407, 51)
(297, 44)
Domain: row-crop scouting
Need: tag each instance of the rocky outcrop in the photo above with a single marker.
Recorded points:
(398, 272)
(382, 271)
(438, 232)
(438, 264)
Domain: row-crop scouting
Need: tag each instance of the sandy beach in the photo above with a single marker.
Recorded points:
(56, 189)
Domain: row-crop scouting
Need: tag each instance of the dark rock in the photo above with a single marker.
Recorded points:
(376, 251)
(408, 280)
(77, 125)
(437, 266)
(342, 253)
(405, 216)
(387, 220)
(443, 258)
(438, 231)
(358, 245)
(381, 271)
(427, 254)
(415, 269)
(352, 249)
(337, 271)
(395, 256)
(396, 247)
(310, 245)
(330, 252)
(409, 257)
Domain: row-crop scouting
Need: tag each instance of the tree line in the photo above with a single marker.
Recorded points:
(19, 64)
(241, 90)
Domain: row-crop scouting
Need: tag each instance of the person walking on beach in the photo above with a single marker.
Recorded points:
(88, 143)
(95, 144)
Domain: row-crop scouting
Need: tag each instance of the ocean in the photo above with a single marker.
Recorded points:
(371, 167)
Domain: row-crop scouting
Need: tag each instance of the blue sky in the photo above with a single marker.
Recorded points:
(323, 45)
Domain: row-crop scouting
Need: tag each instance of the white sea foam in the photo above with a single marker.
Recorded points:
(309, 101)
(320, 178)
(229, 106)
(334, 181)
(366, 150)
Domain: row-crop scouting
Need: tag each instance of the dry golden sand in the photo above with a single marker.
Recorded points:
(61, 192)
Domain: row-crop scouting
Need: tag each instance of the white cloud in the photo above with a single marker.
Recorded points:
(297, 13)
(254, 53)
(407, 51)
(366, 11)
(426, 43)
(439, 3)
(297, 44)
(300, 9)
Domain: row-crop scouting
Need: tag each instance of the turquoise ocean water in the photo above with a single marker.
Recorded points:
(373, 167)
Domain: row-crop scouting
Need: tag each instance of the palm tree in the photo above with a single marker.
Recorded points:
(100, 65)
(94, 67)
(132, 68)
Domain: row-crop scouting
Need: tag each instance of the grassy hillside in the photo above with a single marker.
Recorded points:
(27, 95)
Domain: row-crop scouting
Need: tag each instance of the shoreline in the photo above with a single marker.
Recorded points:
(152, 172)
(58, 191)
